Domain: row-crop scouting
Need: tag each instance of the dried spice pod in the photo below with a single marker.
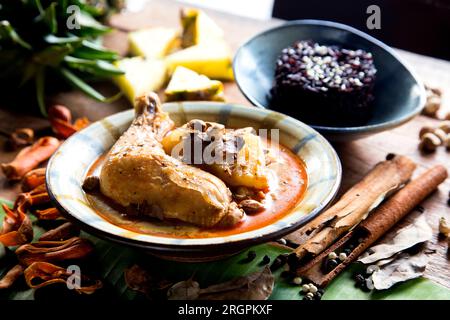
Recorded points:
(33, 179)
(41, 274)
(54, 251)
(17, 228)
(30, 157)
(21, 137)
(63, 232)
(11, 276)
(47, 214)
(60, 119)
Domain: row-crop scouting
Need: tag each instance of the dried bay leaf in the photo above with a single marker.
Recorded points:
(184, 290)
(404, 267)
(140, 279)
(417, 232)
(255, 286)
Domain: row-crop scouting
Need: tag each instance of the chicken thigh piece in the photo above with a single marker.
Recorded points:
(138, 174)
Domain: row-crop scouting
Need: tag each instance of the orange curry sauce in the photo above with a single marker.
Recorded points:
(287, 187)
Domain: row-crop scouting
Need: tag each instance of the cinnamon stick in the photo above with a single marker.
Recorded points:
(378, 223)
(30, 157)
(354, 206)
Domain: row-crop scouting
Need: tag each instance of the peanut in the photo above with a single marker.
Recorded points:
(440, 134)
(424, 130)
(447, 142)
(444, 227)
(445, 126)
(429, 142)
(432, 106)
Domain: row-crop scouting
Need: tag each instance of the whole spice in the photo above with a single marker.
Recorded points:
(21, 137)
(377, 224)
(60, 119)
(297, 280)
(251, 255)
(445, 126)
(441, 135)
(54, 251)
(17, 228)
(47, 214)
(429, 143)
(433, 137)
(433, 103)
(265, 260)
(40, 274)
(424, 130)
(11, 276)
(63, 232)
(30, 157)
(354, 206)
(278, 262)
(444, 227)
(33, 179)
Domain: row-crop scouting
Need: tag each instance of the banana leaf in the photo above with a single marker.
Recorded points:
(111, 260)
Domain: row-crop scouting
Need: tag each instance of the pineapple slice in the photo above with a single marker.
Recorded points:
(153, 43)
(248, 170)
(187, 85)
(141, 76)
(212, 60)
(198, 28)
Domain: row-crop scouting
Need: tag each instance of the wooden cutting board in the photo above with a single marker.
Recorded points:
(357, 157)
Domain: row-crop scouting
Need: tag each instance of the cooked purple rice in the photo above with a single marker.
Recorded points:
(324, 85)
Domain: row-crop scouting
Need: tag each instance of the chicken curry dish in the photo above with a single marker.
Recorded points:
(194, 181)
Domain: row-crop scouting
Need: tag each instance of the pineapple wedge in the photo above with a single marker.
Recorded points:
(198, 28)
(249, 169)
(141, 76)
(211, 59)
(153, 43)
(187, 85)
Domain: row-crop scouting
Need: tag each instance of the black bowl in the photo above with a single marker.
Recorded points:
(399, 94)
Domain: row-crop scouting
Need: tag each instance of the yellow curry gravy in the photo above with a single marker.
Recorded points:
(288, 182)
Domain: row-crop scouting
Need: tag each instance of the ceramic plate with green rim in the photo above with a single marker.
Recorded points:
(70, 164)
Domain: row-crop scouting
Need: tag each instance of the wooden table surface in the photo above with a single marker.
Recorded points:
(357, 157)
